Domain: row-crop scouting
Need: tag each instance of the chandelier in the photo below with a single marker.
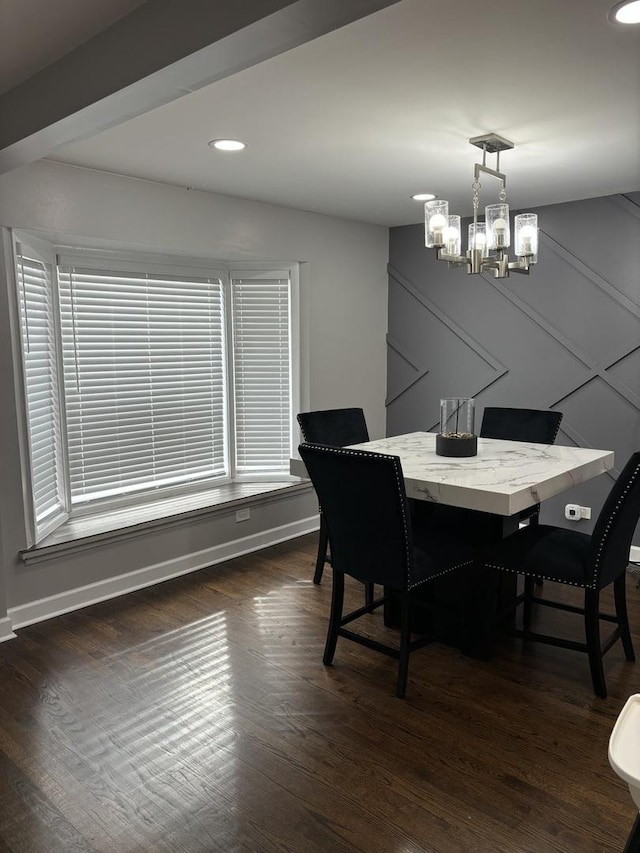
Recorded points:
(488, 240)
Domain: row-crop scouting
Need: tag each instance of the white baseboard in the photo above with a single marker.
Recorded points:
(75, 599)
(6, 629)
(65, 602)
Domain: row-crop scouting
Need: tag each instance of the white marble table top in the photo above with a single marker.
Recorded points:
(504, 478)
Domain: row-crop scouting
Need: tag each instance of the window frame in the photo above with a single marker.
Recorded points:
(44, 253)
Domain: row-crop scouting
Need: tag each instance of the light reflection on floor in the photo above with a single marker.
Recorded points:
(168, 717)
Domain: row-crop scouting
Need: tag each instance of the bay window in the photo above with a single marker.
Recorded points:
(146, 377)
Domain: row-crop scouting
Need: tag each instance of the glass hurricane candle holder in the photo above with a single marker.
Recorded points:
(457, 427)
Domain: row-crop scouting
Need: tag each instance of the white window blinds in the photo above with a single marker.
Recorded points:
(262, 372)
(144, 378)
(41, 388)
(150, 377)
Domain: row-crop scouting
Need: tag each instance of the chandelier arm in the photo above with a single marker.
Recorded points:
(453, 260)
(522, 266)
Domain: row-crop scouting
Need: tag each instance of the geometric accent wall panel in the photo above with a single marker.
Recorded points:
(627, 371)
(596, 410)
(584, 306)
(427, 334)
(566, 337)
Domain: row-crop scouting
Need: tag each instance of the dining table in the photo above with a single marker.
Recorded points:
(478, 498)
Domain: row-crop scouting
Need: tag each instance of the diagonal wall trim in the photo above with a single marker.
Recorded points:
(580, 441)
(595, 369)
(402, 352)
(619, 387)
(480, 351)
(622, 352)
(421, 371)
(627, 204)
(540, 321)
(450, 324)
(605, 286)
(615, 385)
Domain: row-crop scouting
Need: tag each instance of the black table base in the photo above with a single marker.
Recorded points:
(462, 608)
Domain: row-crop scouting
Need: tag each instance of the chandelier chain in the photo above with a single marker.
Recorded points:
(475, 186)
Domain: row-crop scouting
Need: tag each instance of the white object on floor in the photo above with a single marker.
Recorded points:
(624, 746)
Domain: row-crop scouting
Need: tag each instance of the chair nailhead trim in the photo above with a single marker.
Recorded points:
(538, 574)
(607, 530)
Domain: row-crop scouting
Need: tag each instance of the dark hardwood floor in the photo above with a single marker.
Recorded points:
(197, 716)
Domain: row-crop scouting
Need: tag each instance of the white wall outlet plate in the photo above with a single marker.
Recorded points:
(572, 512)
(575, 512)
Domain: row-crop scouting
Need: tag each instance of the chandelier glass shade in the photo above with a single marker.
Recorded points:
(488, 240)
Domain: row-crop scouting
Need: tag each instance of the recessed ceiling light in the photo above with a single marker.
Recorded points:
(227, 144)
(423, 197)
(627, 12)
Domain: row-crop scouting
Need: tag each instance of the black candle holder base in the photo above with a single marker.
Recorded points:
(456, 445)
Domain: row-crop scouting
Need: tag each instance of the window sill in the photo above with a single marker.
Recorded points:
(130, 522)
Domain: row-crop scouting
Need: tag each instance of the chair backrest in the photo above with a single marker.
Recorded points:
(539, 426)
(336, 427)
(365, 507)
(613, 532)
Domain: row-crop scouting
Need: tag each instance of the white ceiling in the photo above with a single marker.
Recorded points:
(354, 122)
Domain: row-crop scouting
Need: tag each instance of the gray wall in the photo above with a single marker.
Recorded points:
(565, 337)
(343, 295)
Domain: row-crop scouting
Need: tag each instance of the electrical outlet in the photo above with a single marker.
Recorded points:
(243, 514)
(574, 512)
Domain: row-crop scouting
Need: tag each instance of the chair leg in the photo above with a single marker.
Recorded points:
(368, 593)
(534, 521)
(323, 542)
(337, 601)
(620, 594)
(405, 640)
(527, 608)
(592, 631)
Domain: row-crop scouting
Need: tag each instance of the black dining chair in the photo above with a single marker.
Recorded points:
(365, 506)
(538, 426)
(337, 428)
(588, 562)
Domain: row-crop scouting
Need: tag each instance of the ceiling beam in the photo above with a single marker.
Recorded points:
(159, 52)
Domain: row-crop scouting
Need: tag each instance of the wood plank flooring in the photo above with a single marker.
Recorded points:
(197, 717)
